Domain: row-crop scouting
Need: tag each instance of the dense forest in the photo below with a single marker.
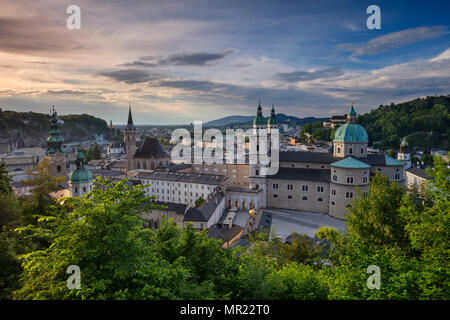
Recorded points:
(30, 129)
(425, 122)
(403, 235)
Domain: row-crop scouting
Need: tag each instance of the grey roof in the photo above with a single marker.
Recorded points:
(202, 178)
(151, 148)
(265, 222)
(118, 164)
(302, 174)
(105, 173)
(322, 157)
(224, 233)
(204, 212)
(305, 156)
(418, 172)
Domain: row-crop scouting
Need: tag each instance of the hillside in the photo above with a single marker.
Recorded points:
(424, 121)
(30, 129)
(243, 121)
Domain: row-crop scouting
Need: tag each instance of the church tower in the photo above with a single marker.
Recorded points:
(81, 179)
(403, 154)
(130, 141)
(55, 152)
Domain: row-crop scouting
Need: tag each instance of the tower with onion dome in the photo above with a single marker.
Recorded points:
(403, 154)
(81, 179)
(55, 150)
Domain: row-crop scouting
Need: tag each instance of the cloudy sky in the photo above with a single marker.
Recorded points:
(180, 61)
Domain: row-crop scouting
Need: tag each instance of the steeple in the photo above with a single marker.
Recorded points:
(54, 140)
(273, 118)
(259, 119)
(351, 117)
(130, 117)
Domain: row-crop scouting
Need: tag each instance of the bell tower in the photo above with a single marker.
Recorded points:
(130, 141)
(403, 154)
(55, 152)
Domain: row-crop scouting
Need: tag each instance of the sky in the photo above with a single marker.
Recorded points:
(176, 62)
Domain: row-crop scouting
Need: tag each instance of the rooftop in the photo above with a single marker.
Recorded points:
(202, 178)
(205, 211)
(151, 148)
(302, 174)
(350, 162)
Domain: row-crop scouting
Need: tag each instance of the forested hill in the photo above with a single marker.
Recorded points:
(424, 121)
(30, 129)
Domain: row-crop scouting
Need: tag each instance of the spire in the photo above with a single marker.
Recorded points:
(273, 118)
(54, 140)
(351, 117)
(130, 117)
(259, 119)
(352, 110)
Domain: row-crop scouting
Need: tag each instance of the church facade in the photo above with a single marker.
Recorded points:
(149, 156)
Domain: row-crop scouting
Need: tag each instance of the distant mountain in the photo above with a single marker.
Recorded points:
(228, 121)
(248, 120)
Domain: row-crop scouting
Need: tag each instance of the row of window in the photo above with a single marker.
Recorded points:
(305, 187)
(350, 180)
(290, 197)
(350, 150)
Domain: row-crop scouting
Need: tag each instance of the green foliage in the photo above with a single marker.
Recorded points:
(328, 233)
(425, 121)
(199, 202)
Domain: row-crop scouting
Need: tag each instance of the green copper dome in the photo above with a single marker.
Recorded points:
(351, 132)
(273, 117)
(259, 119)
(81, 174)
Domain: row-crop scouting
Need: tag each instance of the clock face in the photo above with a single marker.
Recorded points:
(58, 157)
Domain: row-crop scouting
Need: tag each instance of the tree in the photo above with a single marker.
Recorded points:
(328, 233)
(4, 179)
(103, 235)
(375, 219)
(427, 224)
(96, 152)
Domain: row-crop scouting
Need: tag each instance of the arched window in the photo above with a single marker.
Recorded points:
(275, 196)
(58, 168)
(84, 189)
(334, 177)
(333, 203)
(289, 197)
(305, 198)
(320, 199)
(350, 150)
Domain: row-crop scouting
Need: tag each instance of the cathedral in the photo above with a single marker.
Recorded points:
(308, 181)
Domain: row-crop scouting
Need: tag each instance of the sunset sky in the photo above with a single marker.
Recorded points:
(180, 61)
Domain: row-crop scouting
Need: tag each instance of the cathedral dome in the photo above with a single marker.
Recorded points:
(351, 132)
